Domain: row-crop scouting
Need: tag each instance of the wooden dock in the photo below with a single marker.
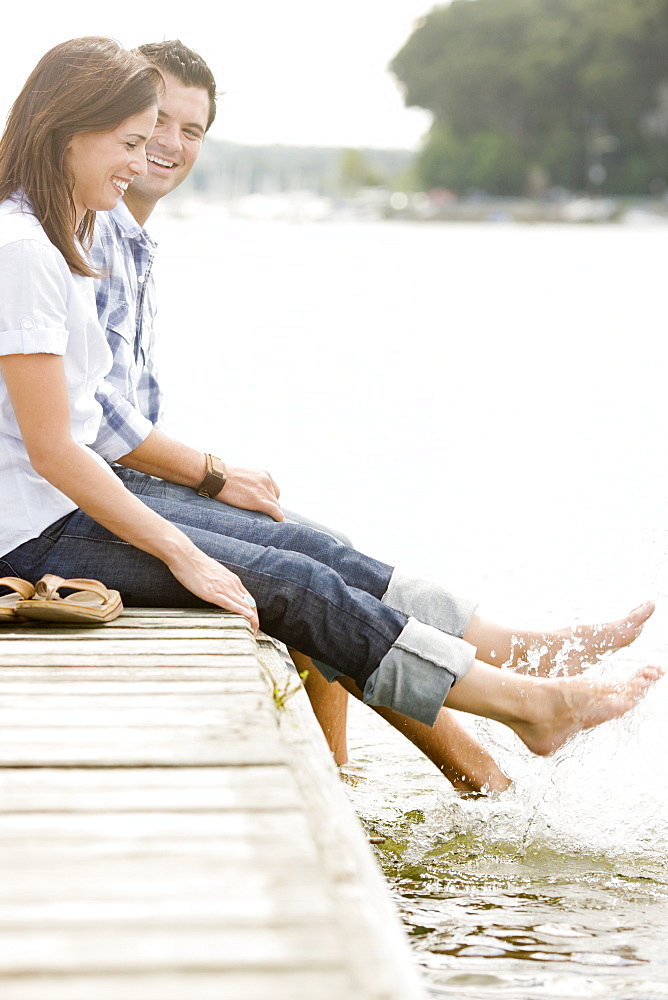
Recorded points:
(167, 833)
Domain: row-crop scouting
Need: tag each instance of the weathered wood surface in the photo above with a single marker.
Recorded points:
(166, 833)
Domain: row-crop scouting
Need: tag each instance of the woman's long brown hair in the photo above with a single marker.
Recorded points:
(83, 85)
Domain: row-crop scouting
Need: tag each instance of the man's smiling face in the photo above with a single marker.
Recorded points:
(173, 148)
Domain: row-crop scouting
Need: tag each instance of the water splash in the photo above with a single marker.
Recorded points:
(603, 793)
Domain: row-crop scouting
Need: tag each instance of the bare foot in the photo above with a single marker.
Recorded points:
(568, 651)
(569, 705)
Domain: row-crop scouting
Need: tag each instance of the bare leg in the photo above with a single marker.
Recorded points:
(454, 751)
(330, 706)
(564, 651)
(545, 713)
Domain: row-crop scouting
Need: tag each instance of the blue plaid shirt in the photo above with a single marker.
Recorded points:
(131, 397)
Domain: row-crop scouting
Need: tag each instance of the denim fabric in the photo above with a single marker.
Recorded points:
(142, 485)
(432, 605)
(419, 670)
(420, 683)
(429, 603)
(312, 593)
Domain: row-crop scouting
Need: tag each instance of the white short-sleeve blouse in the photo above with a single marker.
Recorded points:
(44, 309)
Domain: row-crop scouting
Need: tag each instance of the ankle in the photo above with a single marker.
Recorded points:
(519, 650)
(530, 704)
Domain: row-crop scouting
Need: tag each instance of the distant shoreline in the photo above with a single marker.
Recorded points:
(381, 204)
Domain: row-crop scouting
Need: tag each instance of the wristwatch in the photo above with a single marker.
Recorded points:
(215, 478)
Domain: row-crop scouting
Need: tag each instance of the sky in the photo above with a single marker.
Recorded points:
(295, 72)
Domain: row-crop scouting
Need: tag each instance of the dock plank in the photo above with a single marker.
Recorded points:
(115, 947)
(285, 984)
(159, 710)
(170, 644)
(124, 746)
(58, 686)
(148, 789)
(159, 836)
(144, 668)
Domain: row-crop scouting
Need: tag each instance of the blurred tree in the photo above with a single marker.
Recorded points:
(356, 172)
(575, 88)
(490, 160)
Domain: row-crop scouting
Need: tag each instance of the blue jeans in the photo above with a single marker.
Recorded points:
(313, 593)
(143, 485)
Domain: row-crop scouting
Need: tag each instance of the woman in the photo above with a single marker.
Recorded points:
(74, 141)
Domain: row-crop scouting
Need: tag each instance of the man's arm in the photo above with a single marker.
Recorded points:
(131, 396)
(161, 456)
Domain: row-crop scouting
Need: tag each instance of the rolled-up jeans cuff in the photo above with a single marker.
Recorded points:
(429, 603)
(416, 674)
(330, 674)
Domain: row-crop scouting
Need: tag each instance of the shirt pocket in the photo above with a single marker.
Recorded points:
(123, 374)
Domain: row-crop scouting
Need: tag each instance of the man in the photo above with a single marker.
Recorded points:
(149, 461)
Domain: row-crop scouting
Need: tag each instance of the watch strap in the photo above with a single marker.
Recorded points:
(215, 478)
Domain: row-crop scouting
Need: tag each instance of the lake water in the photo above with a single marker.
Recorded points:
(484, 404)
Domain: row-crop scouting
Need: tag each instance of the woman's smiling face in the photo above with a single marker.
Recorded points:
(103, 164)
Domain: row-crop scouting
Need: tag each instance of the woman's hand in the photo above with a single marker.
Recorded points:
(206, 578)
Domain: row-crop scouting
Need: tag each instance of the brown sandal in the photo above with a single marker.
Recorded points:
(22, 592)
(92, 604)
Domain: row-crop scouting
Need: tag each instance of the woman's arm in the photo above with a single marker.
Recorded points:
(38, 391)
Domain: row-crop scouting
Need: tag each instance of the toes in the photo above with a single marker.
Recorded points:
(640, 614)
(652, 672)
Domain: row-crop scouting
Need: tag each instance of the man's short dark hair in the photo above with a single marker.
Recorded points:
(186, 65)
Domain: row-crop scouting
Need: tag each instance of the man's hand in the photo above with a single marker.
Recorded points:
(252, 489)
(161, 456)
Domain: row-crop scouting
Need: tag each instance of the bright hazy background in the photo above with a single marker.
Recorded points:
(294, 72)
